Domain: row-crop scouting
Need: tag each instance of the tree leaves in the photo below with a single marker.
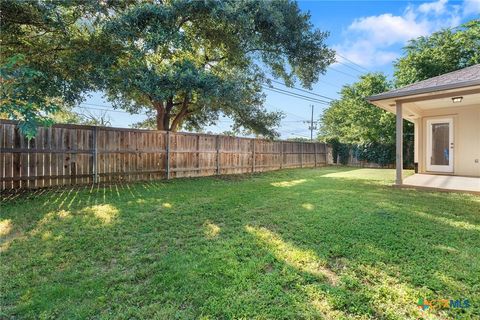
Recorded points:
(352, 123)
(50, 56)
(183, 62)
(441, 52)
(21, 95)
(353, 120)
(211, 55)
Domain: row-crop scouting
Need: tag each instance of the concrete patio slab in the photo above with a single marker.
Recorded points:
(443, 183)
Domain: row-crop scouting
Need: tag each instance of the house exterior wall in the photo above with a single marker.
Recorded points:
(466, 125)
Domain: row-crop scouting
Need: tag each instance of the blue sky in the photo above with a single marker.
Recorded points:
(367, 35)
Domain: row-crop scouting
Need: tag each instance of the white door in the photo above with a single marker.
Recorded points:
(440, 145)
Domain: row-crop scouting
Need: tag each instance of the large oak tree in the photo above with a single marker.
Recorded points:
(188, 62)
(184, 63)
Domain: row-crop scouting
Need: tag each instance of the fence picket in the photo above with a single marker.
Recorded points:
(74, 154)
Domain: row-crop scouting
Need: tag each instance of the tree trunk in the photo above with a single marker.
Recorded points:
(177, 121)
(164, 114)
(168, 111)
(160, 115)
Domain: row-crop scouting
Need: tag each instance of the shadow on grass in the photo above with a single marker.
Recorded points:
(326, 247)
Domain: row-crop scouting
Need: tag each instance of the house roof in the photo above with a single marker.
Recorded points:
(465, 77)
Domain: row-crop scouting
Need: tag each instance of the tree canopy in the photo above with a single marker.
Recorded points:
(441, 52)
(352, 121)
(184, 63)
(353, 124)
(49, 56)
(188, 62)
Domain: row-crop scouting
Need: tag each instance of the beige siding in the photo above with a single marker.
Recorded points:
(466, 122)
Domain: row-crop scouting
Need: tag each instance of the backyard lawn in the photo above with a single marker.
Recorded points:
(305, 243)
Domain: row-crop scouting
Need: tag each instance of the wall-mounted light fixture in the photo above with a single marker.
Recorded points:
(457, 99)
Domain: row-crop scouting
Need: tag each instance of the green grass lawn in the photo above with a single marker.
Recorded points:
(307, 243)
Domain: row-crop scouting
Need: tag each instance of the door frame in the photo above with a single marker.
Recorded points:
(440, 168)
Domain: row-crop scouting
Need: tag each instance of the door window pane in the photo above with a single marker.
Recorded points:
(440, 147)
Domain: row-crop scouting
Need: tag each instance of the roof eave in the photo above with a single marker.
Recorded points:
(386, 95)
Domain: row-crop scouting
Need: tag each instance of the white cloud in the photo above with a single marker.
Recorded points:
(437, 7)
(364, 54)
(388, 29)
(471, 7)
(374, 40)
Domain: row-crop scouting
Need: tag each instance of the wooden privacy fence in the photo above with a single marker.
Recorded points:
(75, 154)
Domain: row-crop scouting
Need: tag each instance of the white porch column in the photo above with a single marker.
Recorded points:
(416, 139)
(399, 144)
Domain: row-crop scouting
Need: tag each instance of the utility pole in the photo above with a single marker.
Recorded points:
(312, 125)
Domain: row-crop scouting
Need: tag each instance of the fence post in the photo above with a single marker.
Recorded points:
(301, 158)
(95, 155)
(217, 146)
(198, 153)
(167, 164)
(325, 147)
(281, 154)
(315, 148)
(253, 155)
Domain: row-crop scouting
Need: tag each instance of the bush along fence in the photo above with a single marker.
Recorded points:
(370, 155)
(75, 154)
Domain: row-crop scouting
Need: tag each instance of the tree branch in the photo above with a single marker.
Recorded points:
(159, 107)
(181, 115)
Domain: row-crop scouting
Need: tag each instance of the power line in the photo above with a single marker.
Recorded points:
(299, 135)
(96, 105)
(345, 73)
(295, 133)
(312, 124)
(287, 127)
(293, 129)
(100, 109)
(337, 86)
(295, 115)
(348, 66)
(274, 89)
(226, 121)
(295, 95)
(355, 64)
(302, 90)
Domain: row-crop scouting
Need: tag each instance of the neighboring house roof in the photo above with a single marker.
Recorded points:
(465, 77)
